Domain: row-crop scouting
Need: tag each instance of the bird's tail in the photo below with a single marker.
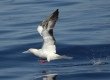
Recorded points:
(64, 57)
(56, 56)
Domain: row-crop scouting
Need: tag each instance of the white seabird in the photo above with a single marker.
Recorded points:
(48, 50)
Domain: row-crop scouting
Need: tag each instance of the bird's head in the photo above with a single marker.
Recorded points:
(31, 50)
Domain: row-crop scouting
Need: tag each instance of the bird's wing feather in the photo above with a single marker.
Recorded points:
(51, 20)
(49, 41)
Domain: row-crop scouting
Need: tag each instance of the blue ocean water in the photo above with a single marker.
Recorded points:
(82, 31)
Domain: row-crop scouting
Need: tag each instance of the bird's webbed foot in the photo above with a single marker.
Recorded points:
(42, 61)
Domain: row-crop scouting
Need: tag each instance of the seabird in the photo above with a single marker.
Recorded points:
(48, 50)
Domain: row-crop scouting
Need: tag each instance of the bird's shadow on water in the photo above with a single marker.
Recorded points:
(46, 77)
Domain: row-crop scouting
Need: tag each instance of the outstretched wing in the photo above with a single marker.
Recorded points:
(51, 20)
(49, 41)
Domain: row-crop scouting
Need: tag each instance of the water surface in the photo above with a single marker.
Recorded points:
(82, 31)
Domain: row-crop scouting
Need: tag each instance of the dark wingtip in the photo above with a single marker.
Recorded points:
(56, 12)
